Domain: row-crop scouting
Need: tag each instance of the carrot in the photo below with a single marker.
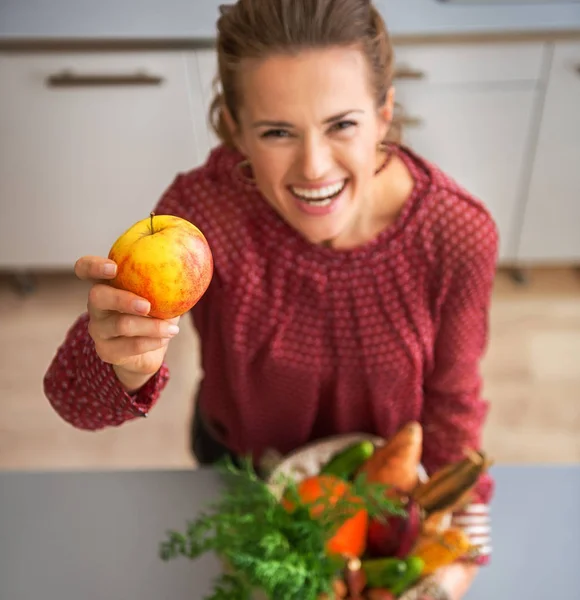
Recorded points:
(396, 462)
(317, 490)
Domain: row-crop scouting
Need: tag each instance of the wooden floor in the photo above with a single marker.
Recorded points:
(532, 377)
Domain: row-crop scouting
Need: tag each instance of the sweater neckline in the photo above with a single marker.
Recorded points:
(277, 231)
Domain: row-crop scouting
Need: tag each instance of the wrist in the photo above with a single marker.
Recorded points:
(475, 521)
(453, 581)
(131, 382)
(428, 589)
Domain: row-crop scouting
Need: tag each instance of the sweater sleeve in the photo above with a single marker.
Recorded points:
(454, 410)
(85, 391)
(81, 387)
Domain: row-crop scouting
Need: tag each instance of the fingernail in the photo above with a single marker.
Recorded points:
(172, 330)
(109, 269)
(142, 306)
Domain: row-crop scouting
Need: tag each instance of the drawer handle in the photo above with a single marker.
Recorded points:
(411, 121)
(406, 73)
(67, 79)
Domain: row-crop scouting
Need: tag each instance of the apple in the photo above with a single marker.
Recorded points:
(395, 536)
(166, 260)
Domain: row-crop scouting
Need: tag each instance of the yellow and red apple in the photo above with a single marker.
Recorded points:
(166, 260)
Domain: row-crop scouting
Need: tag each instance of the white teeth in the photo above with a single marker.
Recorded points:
(324, 202)
(320, 196)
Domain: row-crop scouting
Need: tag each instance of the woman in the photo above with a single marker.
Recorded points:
(352, 277)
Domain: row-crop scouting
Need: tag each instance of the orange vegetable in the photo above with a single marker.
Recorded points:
(435, 523)
(350, 537)
(443, 549)
(396, 462)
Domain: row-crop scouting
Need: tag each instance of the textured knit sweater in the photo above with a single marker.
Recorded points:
(301, 341)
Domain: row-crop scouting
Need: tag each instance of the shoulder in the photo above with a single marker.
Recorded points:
(202, 189)
(456, 226)
(212, 196)
(225, 207)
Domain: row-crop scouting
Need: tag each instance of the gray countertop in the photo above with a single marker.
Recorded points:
(95, 536)
(195, 19)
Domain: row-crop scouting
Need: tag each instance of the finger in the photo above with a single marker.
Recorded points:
(95, 267)
(104, 299)
(120, 350)
(125, 325)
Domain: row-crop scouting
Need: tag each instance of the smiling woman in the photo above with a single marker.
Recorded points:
(352, 278)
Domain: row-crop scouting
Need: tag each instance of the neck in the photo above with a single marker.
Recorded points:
(390, 191)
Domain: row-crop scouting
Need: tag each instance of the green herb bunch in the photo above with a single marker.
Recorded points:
(266, 546)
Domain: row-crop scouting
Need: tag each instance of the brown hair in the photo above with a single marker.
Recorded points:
(259, 28)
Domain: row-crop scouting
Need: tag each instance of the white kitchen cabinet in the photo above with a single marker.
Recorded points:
(478, 137)
(551, 222)
(88, 143)
(475, 63)
(470, 110)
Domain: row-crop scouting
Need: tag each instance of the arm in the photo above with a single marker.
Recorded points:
(83, 389)
(454, 410)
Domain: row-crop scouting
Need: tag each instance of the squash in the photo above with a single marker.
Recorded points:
(441, 550)
(396, 463)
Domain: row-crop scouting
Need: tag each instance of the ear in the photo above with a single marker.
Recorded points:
(233, 128)
(390, 104)
(386, 112)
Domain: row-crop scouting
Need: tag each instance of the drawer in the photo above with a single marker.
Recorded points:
(88, 143)
(469, 64)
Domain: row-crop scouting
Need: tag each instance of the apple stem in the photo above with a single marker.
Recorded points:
(152, 215)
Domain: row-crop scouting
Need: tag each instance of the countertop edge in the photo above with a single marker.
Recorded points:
(32, 44)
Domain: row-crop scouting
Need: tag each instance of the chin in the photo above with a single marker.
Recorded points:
(319, 238)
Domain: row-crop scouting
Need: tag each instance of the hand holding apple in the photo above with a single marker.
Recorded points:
(123, 335)
(125, 332)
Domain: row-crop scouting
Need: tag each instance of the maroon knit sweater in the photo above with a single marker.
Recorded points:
(301, 341)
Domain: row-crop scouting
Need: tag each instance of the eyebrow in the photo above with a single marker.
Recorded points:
(286, 124)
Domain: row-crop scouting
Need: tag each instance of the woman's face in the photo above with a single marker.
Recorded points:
(310, 127)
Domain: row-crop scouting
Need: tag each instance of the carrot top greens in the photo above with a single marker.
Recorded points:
(267, 547)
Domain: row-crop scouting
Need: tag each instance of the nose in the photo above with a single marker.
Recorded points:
(316, 158)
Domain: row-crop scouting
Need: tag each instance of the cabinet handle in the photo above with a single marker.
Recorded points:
(406, 73)
(411, 121)
(68, 79)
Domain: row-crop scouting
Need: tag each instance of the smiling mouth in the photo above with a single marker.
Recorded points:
(320, 196)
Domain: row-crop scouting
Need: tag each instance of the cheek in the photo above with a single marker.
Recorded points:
(270, 172)
(362, 159)
(270, 167)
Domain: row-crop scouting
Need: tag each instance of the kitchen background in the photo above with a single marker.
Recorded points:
(490, 91)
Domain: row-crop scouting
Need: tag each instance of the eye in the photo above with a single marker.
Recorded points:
(342, 125)
(275, 133)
